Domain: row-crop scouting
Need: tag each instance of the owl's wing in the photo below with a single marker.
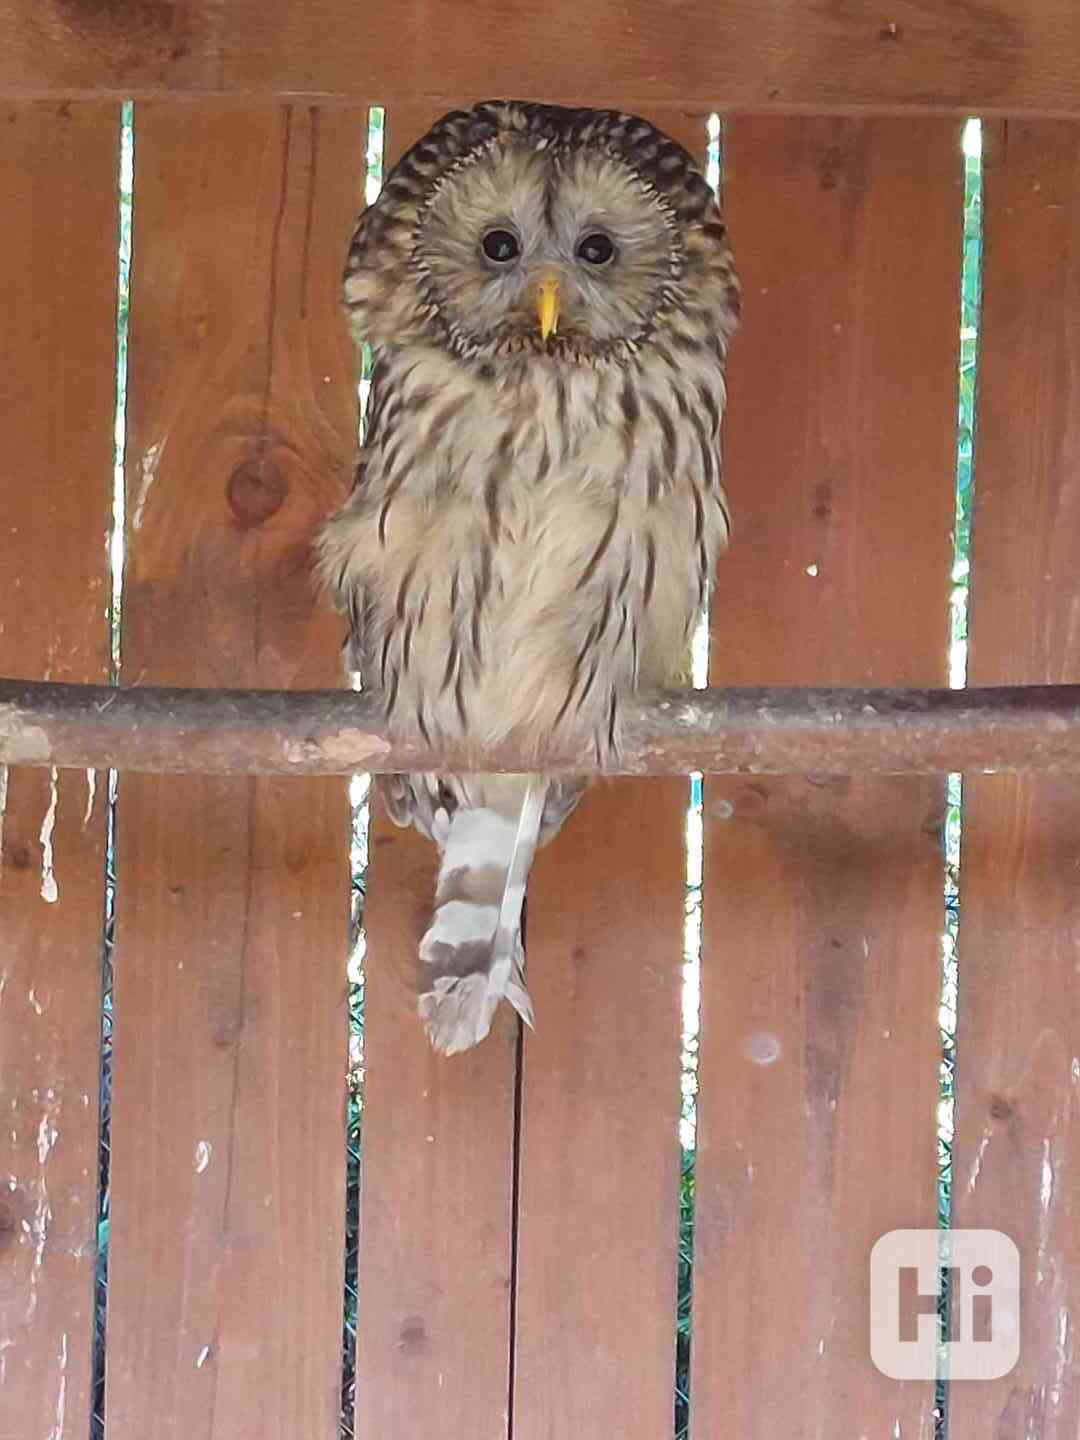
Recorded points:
(409, 799)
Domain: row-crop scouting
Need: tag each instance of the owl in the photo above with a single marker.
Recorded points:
(548, 295)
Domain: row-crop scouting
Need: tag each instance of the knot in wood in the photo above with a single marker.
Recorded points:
(255, 491)
(413, 1336)
(9, 1223)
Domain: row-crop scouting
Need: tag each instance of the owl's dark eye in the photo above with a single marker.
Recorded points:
(596, 248)
(501, 246)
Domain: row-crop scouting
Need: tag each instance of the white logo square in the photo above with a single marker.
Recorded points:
(906, 1269)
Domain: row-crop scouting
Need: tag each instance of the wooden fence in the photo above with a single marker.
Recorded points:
(517, 1262)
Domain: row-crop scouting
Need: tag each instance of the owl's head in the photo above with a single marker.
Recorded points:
(516, 229)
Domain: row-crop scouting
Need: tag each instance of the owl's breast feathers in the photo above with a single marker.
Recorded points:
(522, 551)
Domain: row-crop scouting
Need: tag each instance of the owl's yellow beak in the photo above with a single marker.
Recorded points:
(547, 306)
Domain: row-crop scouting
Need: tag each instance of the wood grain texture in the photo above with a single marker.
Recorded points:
(434, 1275)
(230, 1009)
(598, 1194)
(599, 1187)
(433, 1315)
(56, 408)
(823, 904)
(1015, 1163)
(1008, 56)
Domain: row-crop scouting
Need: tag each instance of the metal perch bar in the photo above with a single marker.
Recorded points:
(755, 732)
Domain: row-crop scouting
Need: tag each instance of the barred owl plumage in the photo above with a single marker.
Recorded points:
(548, 295)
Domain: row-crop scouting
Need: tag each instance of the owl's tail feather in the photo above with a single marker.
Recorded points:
(471, 956)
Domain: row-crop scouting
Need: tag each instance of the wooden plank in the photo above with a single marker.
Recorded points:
(599, 1186)
(598, 1193)
(823, 896)
(433, 1321)
(56, 408)
(1004, 56)
(433, 1314)
(1018, 1041)
(228, 1175)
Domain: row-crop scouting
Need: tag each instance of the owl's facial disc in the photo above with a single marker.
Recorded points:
(533, 249)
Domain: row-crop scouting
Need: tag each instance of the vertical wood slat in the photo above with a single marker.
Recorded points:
(598, 1195)
(228, 1156)
(823, 896)
(1015, 1160)
(599, 1189)
(433, 1314)
(56, 407)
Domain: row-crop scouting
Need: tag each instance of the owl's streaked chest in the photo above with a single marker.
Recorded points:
(444, 435)
(505, 530)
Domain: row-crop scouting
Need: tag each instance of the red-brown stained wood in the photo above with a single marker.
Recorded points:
(433, 1315)
(598, 1194)
(1015, 1162)
(599, 1186)
(433, 1319)
(58, 252)
(1009, 56)
(823, 905)
(228, 1151)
